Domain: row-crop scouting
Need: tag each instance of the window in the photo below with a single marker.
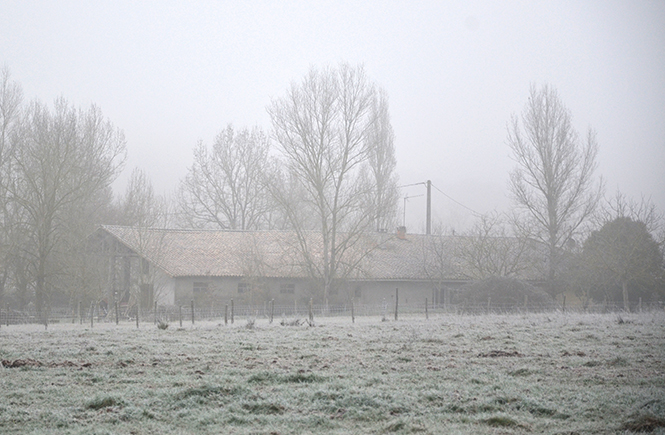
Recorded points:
(200, 288)
(287, 289)
(358, 292)
(243, 287)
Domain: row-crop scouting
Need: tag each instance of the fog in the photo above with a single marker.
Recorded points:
(173, 73)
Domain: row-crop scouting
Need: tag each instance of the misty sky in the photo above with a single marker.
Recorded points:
(171, 73)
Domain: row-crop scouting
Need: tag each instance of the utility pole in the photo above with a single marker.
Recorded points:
(429, 208)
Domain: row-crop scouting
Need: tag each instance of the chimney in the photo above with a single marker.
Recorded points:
(401, 233)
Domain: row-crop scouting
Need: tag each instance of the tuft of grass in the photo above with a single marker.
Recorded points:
(396, 426)
(162, 324)
(618, 362)
(541, 411)
(101, 402)
(643, 423)
(264, 408)
(263, 378)
(520, 372)
(294, 378)
(301, 378)
(207, 391)
(649, 417)
(501, 421)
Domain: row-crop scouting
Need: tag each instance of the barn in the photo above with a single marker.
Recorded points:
(173, 266)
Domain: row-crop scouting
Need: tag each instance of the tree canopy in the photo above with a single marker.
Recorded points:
(622, 261)
(553, 181)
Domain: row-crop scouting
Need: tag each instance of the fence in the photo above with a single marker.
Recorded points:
(230, 313)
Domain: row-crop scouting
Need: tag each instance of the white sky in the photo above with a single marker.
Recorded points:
(170, 73)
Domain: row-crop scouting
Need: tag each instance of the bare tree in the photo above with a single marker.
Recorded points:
(643, 210)
(140, 206)
(144, 211)
(11, 97)
(322, 127)
(385, 195)
(489, 249)
(440, 262)
(553, 182)
(224, 187)
(63, 158)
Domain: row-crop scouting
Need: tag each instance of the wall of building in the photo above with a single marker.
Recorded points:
(218, 290)
(243, 291)
(376, 292)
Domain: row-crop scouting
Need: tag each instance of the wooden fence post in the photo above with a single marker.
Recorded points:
(311, 313)
(526, 302)
(8, 314)
(226, 314)
(180, 314)
(272, 310)
(489, 304)
(80, 314)
(426, 313)
(396, 302)
(155, 313)
(353, 314)
(92, 314)
(564, 303)
(232, 311)
(192, 303)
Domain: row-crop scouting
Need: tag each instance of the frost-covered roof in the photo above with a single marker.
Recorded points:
(377, 256)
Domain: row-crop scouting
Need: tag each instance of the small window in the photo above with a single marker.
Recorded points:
(200, 287)
(243, 287)
(287, 289)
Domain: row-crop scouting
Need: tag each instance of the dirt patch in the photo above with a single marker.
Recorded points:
(17, 363)
(500, 353)
(29, 362)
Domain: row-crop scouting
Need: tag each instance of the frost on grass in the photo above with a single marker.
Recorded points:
(531, 373)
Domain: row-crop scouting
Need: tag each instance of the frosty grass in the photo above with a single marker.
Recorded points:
(552, 373)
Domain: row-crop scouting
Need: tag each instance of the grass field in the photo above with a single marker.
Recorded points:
(535, 373)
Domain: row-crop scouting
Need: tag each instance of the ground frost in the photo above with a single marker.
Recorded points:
(538, 373)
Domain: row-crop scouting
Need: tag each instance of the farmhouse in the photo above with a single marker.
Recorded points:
(173, 266)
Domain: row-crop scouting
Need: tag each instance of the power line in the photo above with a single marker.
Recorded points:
(455, 201)
(410, 185)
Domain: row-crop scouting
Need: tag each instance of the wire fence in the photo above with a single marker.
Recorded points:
(230, 313)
